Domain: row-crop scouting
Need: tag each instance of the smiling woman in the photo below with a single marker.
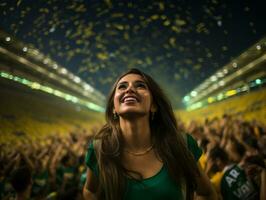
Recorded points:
(140, 152)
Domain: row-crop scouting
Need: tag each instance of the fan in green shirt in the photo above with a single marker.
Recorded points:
(140, 153)
(160, 186)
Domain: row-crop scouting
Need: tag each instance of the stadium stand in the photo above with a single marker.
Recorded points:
(249, 106)
(26, 112)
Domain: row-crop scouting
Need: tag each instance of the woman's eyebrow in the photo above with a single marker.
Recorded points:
(140, 81)
(123, 82)
(126, 82)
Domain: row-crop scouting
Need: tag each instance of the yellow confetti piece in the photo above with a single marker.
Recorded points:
(197, 67)
(117, 15)
(102, 56)
(108, 3)
(19, 2)
(172, 41)
(161, 6)
(155, 17)
(166, 23)
(180, 22)
(119, 26)
(126, 36)
(176, 29)
(44, 10)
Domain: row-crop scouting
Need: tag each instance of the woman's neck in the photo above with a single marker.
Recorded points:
(136, 133)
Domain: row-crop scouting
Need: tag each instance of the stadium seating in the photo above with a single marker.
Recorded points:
(249, 106)
(33, 114)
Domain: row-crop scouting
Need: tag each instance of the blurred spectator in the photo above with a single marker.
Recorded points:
(231, 181)
(21, 181)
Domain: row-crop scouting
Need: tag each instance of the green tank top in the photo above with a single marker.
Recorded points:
(157, 187)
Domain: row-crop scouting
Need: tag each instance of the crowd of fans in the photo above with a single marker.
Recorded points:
(233, 157)
(50, 168)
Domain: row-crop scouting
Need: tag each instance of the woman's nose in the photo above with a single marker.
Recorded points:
(130, 88)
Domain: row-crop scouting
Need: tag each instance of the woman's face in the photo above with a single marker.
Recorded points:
(132, 97)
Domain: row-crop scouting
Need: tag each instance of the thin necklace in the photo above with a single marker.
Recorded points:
(139, 153)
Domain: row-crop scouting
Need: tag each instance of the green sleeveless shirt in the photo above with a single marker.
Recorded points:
(157, 187)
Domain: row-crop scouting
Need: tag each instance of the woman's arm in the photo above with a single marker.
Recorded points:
(205, 190)
(90, 186)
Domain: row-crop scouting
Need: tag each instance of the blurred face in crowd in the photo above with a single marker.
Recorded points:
(231, 151)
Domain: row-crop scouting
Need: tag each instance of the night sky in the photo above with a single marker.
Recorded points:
(180, 43)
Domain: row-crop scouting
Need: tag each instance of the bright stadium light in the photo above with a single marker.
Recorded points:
(213, 78)
(220, 74)
(77, 79)
(244, 88)
(258, 81)
(220, 96)
(88, 88)
(221, 83)
(186, 98)
(63, 71)
(235, 65)
(45, 61)
(55, 66)
(8, 39)
(25, 49)
(225, 71)
(258, 47)
(53, 91)
(193, 93)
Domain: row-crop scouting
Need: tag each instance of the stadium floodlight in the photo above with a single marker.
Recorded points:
(88, 87)
(215, 86)
(258, 47)
(25, 49)
(186, 98)
(244, 88)
(55, 66)
(258, 81)
(220, 96)
(77, 79)
(213, 78)
(221, 83)
(193, 93)
(46, 61)
(8, 39)
(225, 71)
(63, 71)
(220, 74)
(35, 85)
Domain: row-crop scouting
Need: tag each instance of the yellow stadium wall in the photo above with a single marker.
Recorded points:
(249, 106)
(32, 114)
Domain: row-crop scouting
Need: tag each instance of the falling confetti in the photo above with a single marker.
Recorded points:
(180, 43)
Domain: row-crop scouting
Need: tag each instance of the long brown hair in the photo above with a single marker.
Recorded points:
(169, 145)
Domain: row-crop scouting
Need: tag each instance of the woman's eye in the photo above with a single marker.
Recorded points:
(141, 85)
(122, 86)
